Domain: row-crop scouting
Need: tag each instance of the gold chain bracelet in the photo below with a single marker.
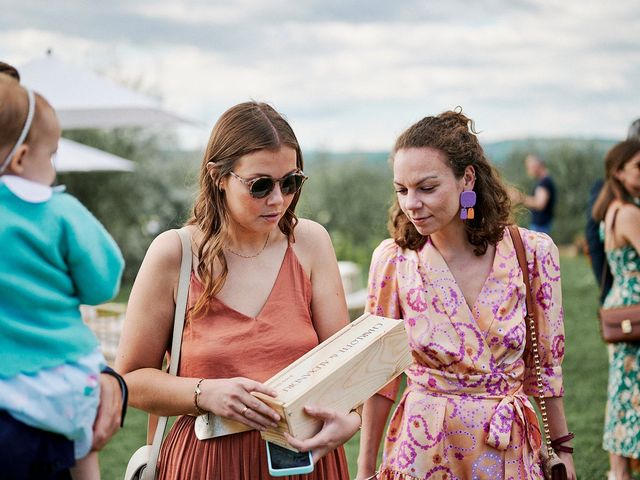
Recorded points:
(196, 396)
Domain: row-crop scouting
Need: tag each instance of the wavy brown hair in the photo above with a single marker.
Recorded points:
(453, 134)
(613, 189)
(241, 130)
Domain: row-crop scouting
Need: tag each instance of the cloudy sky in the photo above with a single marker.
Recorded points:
(354, 74)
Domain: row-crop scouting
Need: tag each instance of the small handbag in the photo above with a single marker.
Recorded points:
(552, 466)
(142, 464)
(618, 324)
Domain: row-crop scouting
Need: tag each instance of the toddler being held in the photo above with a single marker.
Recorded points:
(55, 256)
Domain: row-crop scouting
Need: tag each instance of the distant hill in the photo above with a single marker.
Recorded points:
(497, 152)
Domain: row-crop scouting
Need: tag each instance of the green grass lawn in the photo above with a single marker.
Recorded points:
(585, 373)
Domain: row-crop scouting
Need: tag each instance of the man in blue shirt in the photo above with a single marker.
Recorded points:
(543, 197)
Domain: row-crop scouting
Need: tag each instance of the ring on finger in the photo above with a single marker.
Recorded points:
(244, 410)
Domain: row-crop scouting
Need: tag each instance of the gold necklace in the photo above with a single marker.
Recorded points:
(254, 255)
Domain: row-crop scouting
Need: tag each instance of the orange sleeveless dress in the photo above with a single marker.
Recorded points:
(225, 343)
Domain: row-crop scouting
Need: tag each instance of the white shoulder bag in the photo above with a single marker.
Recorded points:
(142, 464)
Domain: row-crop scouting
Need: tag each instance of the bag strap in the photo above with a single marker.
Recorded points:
(531, 325)
(176, 344)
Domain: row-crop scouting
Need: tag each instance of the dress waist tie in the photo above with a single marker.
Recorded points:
(501, 423)
(514, 405)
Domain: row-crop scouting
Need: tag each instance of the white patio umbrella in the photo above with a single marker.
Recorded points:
(83, 99)
(76, 157)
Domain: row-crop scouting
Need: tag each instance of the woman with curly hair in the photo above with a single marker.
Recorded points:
(451, 272)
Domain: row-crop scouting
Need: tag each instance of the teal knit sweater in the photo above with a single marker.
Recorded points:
(54, 256)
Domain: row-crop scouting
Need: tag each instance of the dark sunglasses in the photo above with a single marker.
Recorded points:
(262, 186)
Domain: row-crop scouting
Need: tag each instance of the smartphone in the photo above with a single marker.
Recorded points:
(283, 462)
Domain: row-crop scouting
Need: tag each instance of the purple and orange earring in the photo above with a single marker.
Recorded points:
(467, 202)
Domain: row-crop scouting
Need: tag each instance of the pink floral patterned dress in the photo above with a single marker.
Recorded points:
(465, 413)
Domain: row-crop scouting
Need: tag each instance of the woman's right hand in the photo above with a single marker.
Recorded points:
(336, 430)
(231, 398)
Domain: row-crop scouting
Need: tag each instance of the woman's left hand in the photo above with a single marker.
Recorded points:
(567, 458)
(336, 430)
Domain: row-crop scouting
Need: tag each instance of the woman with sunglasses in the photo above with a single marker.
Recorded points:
(265, 288)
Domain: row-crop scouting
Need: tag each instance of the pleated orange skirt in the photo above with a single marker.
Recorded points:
(242, 456)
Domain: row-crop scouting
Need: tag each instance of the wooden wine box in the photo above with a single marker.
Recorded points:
(340, 373)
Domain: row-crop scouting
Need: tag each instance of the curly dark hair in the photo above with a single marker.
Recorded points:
(453, 134)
